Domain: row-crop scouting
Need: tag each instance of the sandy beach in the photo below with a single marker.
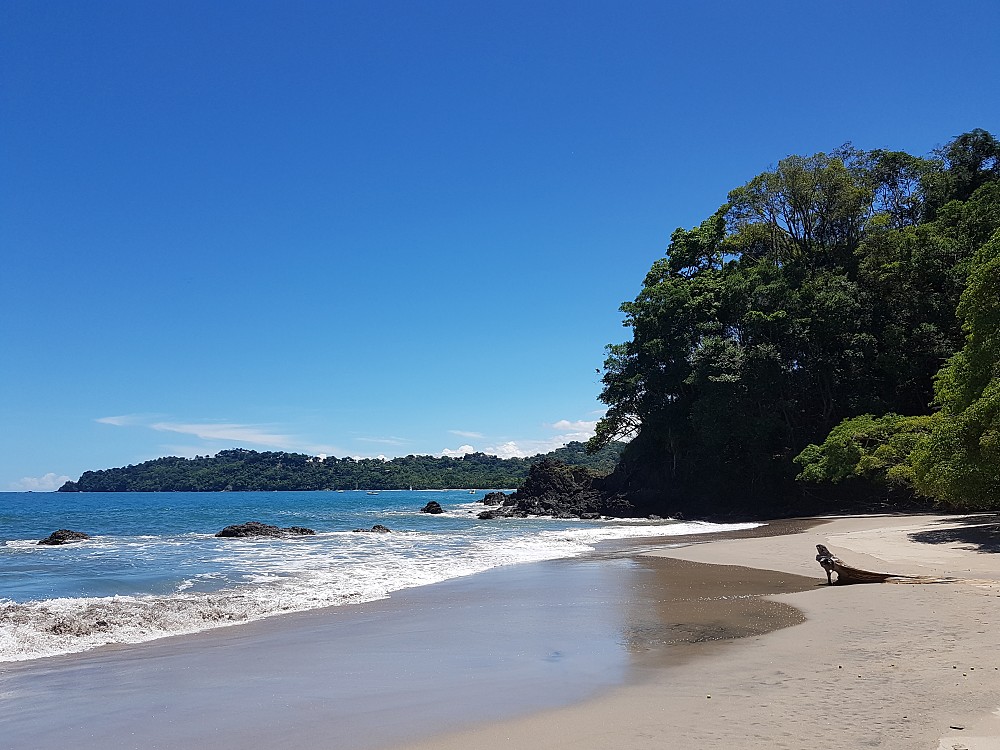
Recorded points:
(878, 665)
(734, 643)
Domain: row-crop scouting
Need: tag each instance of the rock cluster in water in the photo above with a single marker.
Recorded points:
(64, 536)
(256, 528)
(432, 507)
(377, 529)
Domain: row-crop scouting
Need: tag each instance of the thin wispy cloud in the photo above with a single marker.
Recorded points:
(383, 440)
(239, 433)
(263, 436)
(466, 434)
(125, 420)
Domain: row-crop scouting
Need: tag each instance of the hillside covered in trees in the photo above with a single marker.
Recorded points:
(826, 339)
(241, 469)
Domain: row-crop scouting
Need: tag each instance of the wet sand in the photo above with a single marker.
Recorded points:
(467, 652)
(897, 666)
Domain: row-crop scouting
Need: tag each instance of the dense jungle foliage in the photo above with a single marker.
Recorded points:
(856, 285)
(246, 470)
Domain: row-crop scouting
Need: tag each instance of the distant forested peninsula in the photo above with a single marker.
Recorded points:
(828, 339)
(246, 470)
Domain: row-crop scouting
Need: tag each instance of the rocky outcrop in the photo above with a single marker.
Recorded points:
(555, 489)
(432, 507)
(256, 529)
(377, 529)
(64, 536)
(494, 498)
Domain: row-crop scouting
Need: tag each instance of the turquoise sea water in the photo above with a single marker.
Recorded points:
(154, 568)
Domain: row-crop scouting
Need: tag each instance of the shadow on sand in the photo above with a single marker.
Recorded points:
(980, 532)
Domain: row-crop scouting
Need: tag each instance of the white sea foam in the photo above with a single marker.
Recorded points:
(645, 528)
(277, 576)
(23, 544)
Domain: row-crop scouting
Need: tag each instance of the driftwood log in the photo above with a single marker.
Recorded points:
(848, 574)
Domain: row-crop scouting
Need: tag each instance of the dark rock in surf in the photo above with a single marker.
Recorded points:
(557, 490)
(256, 529)
(489, 515)
(562, 513)
(64, 536)
(432, 507)
(377, 529)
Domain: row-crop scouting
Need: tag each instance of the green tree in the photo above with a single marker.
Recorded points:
(972, 160)
(868, 447)
(959, 463)
(819, 292)
(953, 455)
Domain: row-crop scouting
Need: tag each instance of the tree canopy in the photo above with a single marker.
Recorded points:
(823, 289)
(953, 454)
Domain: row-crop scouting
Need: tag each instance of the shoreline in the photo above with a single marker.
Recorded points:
(619, 648)
(485, 647)
(71, 613)
(896, 666)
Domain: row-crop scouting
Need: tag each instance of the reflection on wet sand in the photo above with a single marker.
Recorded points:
(677, 604)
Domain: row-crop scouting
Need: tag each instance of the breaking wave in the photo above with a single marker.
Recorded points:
(216, 583)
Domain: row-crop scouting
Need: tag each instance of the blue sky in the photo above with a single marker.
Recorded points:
(381, 228)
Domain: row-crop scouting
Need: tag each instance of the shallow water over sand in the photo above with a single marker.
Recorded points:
(510, 641)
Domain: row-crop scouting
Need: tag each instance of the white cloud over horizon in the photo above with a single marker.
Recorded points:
(46, 483)
(580, 426)
(510, 449)
(569, 431)
(459, 451)
(223, 434)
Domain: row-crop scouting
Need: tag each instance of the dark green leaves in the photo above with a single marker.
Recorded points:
(820, 292)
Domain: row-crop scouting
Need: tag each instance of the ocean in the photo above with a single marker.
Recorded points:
(154, 568)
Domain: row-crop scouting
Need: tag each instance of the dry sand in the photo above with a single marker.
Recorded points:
(877, 665)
